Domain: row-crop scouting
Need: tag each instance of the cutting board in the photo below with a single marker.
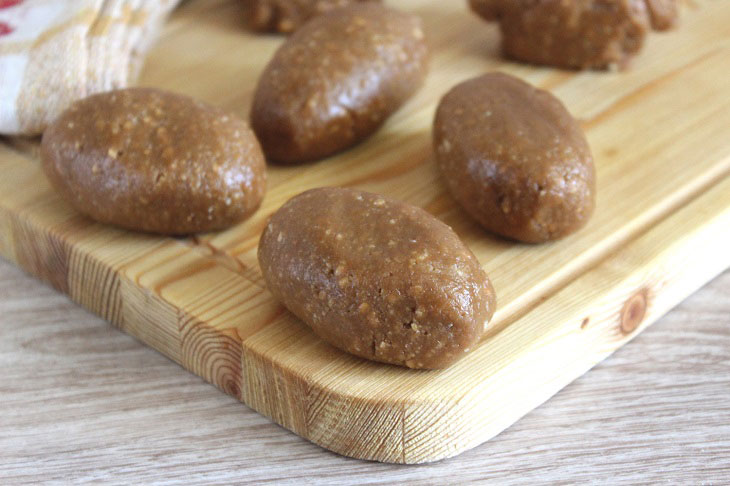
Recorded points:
(660, 133)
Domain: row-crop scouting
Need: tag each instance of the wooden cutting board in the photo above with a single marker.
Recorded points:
(660, 133)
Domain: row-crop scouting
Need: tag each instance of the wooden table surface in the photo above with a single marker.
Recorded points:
(83, 402)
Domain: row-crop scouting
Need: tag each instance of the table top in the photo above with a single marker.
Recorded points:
(82, 401)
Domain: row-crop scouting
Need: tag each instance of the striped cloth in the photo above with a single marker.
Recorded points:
(53, 52)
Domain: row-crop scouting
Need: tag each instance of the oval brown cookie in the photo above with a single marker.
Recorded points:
(288, 15)
(576, 34)
(514, 158)
(336, 80)
(154, 161)
(376, 277)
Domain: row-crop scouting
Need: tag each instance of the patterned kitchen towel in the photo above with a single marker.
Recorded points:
(53, 52)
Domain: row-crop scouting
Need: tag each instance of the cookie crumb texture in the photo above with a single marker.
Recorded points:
(154, 161)
(376, 277)
(336, 80)
(585, 34)
(288, 15)
(514, 158)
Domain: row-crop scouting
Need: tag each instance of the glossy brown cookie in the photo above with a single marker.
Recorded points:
(514, 158)
(288, 15)
(336, 80)
(376, 277)
(576, 34)
(155, 161)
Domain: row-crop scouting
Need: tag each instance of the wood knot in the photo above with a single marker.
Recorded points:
(634, 311)
(232, 388)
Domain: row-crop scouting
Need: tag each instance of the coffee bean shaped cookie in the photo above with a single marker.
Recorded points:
(514, 158)
(336, 80)
(376, 277)
(155, 161)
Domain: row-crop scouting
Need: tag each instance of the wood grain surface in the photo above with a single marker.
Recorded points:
(81, 402)
(659, 233)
